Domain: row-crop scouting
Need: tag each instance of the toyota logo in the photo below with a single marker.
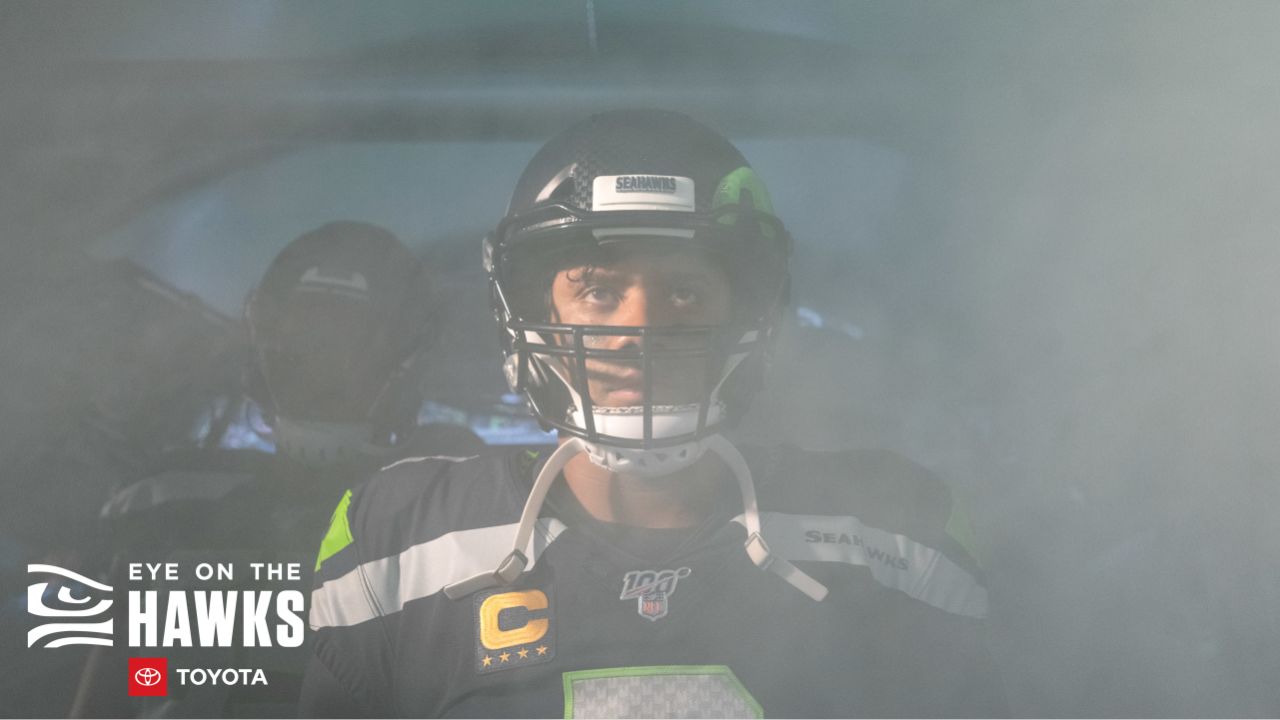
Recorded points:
(147, 677)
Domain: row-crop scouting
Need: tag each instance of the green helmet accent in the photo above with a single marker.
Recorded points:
(732, 185)
(339, 535)
(729, 192)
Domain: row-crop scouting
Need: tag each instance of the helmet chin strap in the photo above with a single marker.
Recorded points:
(515, 563)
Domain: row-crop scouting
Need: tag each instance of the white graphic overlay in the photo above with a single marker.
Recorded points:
(79, 609)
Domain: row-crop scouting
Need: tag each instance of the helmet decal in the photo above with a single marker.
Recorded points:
(642, 192)
(729, 191)
(743, 185)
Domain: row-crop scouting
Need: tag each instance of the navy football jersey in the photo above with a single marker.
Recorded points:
(616, 621)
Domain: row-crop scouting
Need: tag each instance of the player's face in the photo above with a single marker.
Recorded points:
(640, 288)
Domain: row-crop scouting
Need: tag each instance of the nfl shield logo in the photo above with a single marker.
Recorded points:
(651, 589)
(653, 606)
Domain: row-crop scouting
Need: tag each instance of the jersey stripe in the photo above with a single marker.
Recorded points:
(383, 586)
(896, 561)
(421, 458)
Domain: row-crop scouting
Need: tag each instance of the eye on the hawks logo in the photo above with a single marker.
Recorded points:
(651, 589)
(76, 608)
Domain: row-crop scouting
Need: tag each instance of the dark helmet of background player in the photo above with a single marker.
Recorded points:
(334, 327)
(619, 179)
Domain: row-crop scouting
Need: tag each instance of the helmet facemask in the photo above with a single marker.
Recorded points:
(637, 181)
(685, 383)
(661, 429)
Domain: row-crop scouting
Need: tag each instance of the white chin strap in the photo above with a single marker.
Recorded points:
(318, 443)
(628, 422)
(514, 564)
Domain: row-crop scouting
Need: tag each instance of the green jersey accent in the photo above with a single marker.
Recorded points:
(339, 534)
(658, 691)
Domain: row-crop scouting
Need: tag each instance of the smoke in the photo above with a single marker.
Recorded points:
(1036, 252)
(1066, 314)
(1105, 254)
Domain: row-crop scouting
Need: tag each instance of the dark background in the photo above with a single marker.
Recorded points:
(1036, 251)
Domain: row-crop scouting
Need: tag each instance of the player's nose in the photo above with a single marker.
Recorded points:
(640, 308)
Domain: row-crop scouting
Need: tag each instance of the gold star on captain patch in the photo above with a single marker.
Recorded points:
(487, 660)
(504, 657)
(523, 653)
(542, 649)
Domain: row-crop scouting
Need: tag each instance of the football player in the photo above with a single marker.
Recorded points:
(334, 328)
(647, 567)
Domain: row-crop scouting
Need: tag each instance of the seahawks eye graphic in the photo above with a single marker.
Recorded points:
(80, 609)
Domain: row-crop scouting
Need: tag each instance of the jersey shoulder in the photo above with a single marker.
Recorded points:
(447, 518)
(872, 509)
(170, 488)
(880, 488)
(883, 487)
(418, 499)
(198, 477)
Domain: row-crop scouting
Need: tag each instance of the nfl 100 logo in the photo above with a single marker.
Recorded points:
(652, 589)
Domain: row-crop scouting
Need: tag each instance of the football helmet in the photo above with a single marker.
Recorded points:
(617, 180)
(335, 326)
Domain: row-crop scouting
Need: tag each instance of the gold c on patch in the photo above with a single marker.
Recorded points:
(514, 628)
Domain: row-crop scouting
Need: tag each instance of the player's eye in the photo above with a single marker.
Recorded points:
(599, 295)
(684, 297)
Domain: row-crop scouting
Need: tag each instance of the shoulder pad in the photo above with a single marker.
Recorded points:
(882, 487)
(417, 499)
(172, 487)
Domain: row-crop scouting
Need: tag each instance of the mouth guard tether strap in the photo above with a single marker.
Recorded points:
(514, 564)
(511, 567)
(757, 549)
